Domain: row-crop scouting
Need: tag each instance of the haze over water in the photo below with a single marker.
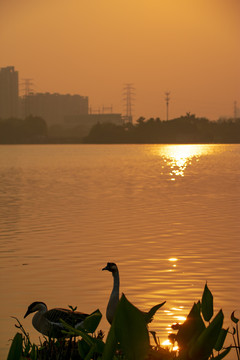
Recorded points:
(168, 215)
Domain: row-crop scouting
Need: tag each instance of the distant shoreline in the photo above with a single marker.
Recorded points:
(186, 129)
(119, 143)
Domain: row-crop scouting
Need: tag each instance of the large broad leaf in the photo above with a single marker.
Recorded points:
(89, 356)
(221, 338)
(111, 344)
(149, 315)
(91, 322)
(203, 346)
(83, 348)
(207, 304)
(95, 350)
(131, 330)
(15, 351)
(192, 327)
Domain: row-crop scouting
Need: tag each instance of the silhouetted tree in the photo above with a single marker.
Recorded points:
(35, 127)
(15, 131)
(106, 133)
(185, 129)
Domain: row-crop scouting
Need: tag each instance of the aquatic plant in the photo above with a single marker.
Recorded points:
(21, 345)
(235, 334)
(200, 337)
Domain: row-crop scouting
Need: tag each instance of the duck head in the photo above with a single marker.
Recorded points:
(112, 267)
(35, 306)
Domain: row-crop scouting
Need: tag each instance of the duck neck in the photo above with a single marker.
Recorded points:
(38, 319)
(42, 308)
(116, 283)
(114, 297)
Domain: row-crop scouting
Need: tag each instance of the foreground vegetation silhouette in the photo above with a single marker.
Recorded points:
(200, 337)
(182, 130)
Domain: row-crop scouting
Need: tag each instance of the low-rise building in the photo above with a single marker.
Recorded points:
(53, 108)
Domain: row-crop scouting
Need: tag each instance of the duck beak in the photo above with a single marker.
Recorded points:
(105, 268)
(27, 313)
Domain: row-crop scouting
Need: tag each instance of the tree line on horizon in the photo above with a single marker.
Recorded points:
(184, 129)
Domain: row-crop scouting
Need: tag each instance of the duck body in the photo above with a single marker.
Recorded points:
(48, 323)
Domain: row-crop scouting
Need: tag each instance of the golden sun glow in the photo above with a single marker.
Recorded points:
(167, 343)
(178, 157)
(182, 152)
(180, 318)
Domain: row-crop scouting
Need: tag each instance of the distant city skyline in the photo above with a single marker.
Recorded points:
(93, 48)
(56, 109)
(96, 108)
(62, 108)
(125, 107)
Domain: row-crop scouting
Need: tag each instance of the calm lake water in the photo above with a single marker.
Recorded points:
(168, 215)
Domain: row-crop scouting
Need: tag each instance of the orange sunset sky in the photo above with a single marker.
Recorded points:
(93, 47)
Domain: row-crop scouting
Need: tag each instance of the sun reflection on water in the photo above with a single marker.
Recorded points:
(167, 343)
(170, 330)
(173, 260)
(179, 157)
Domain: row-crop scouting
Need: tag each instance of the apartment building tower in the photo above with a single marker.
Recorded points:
(8, 92)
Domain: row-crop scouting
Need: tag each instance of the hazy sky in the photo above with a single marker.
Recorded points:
(93, 47)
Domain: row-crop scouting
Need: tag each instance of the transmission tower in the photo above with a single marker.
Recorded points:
(167, 98)
(235, 110)
(27, 88)
(128, 92)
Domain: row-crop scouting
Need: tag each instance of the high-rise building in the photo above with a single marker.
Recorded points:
(8, 92)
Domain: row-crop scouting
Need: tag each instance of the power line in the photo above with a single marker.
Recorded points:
(107, 108)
